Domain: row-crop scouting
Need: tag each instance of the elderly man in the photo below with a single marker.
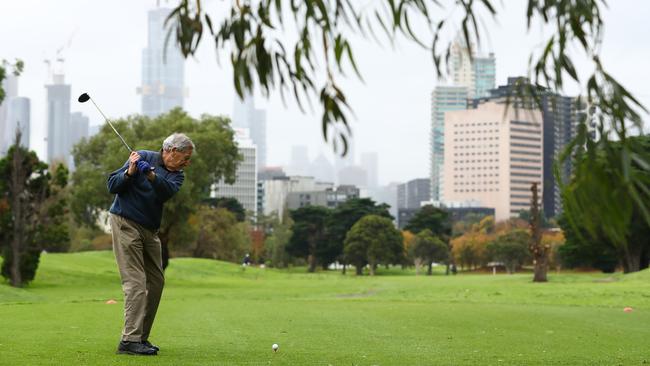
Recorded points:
(141, 186)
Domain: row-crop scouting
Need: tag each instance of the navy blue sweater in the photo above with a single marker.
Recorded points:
(141, 200)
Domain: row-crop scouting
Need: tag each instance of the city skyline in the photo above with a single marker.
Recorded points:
(105, 61)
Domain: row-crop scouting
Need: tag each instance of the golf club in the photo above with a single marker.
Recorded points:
(83, 98)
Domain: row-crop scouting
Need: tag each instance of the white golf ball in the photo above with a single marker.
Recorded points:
(275, 347)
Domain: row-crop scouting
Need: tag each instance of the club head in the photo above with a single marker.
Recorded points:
(83, 98)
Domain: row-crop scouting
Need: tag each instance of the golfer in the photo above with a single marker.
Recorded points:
(141, 186)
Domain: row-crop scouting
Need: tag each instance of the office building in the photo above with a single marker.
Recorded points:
(492, 155)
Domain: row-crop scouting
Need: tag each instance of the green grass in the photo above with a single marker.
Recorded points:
(213, 313)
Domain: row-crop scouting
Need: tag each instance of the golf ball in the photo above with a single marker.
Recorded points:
(275, 347)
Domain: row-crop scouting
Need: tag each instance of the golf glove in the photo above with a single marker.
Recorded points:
(144, 167)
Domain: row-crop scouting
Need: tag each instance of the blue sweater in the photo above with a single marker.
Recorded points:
(138, 199)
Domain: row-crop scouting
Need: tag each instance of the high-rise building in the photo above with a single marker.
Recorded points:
(79, 129)
(263, 175)
(412, 193)
(475, 72)
(245, 115)
(58, 120)
(493, 154)
(410, 196)
(330, 197)
(163, 69)
(299, 160)
(484, 75)
(369, 162)
(443, 99)
(18, 117)
(387, 194)
(560, 119)
(277, 189)
(244, 190)
(10, 86)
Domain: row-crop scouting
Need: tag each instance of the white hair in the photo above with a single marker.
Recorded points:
(180, 141)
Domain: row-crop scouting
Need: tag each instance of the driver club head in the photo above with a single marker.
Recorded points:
(83, 98)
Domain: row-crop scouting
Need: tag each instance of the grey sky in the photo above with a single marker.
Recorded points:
(392, 107)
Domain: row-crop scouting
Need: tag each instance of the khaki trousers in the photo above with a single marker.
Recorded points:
(139, 258)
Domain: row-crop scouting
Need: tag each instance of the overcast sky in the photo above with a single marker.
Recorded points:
(103, 57)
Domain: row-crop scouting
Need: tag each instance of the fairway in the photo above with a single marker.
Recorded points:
(215, 313)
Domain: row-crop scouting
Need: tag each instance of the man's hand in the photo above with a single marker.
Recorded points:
(144, 167)
(133, 161)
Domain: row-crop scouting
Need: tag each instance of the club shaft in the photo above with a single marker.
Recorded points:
(110, 124)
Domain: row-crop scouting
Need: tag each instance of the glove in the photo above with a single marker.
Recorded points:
(144, 167)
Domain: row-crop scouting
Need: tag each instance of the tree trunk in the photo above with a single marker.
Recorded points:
(359, 270)
(430, 269)
(344, 266)
(16, 189)
(631, 259)
(311, 259)
(541, 268)
(539, 252)
(643, 262)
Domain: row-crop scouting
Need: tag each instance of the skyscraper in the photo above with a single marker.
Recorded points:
(244, 189)
(162, 69)
(369, 162)
(18, 117)
(10, 86)
(484, 75)
(493, 154)
(245, 115)
(58, 120)
(443, 99)
(560, 116)
(475, 72)
(79, 129)
(412, 193)
(299, 160)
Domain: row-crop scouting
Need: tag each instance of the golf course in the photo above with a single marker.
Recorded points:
(217, 313)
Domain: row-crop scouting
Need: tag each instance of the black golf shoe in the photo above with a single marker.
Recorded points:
(148, 344)
(135, 348)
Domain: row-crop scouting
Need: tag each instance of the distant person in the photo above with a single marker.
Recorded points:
(141, 186)
(247, 260)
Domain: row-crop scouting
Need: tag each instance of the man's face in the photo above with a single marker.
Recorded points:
(176, 160)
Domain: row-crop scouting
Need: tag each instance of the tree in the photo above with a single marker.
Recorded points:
(582, 250)
(275, 244)
(250, 31)
(229, 203)
(511, 248)
(341, 221)
(221, 236)
(554, 240)
(308, 233)
(584, 229)
(29, 211)
(433, 219)
(429, 249)
(539, 251)
(373, 240)
(216, 156)
(469, 249)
